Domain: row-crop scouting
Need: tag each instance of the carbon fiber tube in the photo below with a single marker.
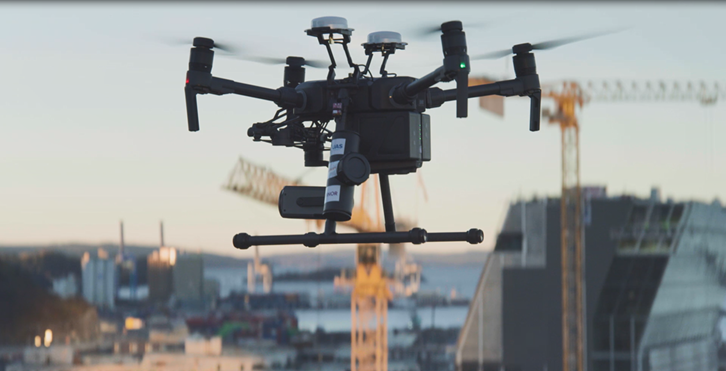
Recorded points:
(246, 89)
(192, 113)
(406, 93)
(416, 236)
(390, 222)
(472, 236)
(462, 100)
(534, 110)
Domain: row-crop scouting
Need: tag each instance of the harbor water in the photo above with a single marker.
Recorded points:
(441, 279)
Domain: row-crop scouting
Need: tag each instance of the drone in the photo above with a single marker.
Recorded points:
(380, 124)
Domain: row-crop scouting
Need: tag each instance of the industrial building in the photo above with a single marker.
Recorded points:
(99, 279)
(127, 271)
(188, 277)
(211, 292)
(159, 274)
(654, 288)
(54, 355)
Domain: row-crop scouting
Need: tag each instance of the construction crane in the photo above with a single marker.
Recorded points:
(257, 268)
(568, 97)
(407, 273)
(370, 292)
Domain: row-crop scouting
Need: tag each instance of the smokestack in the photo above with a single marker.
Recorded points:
(121, 245)
(161, 229)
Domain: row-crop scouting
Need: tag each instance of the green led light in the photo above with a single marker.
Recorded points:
(462, 65)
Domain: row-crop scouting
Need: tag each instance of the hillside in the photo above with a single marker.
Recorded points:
(29, 309)
(305, 260)
(77, 250)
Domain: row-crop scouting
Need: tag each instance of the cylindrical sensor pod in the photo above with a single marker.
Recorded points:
(338, 195)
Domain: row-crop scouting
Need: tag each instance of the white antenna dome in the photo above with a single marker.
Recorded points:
(332, 22)
(382, 37)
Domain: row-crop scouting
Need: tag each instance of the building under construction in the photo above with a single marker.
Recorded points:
(654, 283)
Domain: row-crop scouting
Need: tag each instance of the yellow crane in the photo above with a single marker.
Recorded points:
(257, 268)
(568, 97)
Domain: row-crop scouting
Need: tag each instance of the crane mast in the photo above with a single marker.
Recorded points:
(567, 100)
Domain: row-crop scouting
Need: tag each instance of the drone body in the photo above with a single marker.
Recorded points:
(380, 124)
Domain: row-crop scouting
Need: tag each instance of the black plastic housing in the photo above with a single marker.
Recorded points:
(294, 72)
(395, 138)
(301, 202)
(393, 142)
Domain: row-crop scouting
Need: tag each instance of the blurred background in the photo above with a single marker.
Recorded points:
(94, 133)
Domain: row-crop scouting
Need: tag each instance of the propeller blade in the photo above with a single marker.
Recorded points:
(273, 60)
(176, 41)
(263, 60)
(429, 30)
(236, 51)
(317, 63)
(225, 48)
(551, 44)
(545, 45)
(493, 55)
(426, 31)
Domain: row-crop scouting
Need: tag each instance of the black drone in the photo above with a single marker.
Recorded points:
(380, 125)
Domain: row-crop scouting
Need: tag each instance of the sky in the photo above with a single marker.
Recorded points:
(94, 123)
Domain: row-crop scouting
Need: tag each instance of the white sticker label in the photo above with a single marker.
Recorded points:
(332, 193)
(337, 147)
(332, 169)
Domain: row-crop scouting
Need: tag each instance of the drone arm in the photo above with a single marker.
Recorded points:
(205, 83)
(282, 96)
(406, 93)
(507, 88)
(525, 86)
(439, 97)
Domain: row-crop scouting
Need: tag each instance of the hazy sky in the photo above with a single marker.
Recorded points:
(94, 126)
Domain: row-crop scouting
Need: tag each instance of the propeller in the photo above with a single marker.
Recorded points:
(545, 45)
(273, 60)
(238, 52)
(225, 48)
(429, 30)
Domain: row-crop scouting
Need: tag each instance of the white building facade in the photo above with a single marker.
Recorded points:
(66, 287)
(99, 280)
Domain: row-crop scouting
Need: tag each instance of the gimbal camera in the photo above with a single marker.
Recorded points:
(380, 125)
